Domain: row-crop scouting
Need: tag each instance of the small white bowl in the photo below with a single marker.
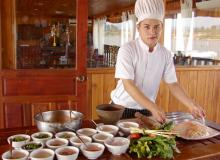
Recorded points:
(65, 134)
(56, 143)
(86, 132)
(92, 150)
(20, 154)
(28, 146)
(41, 137)
(77, 143)
(18, 144)
(101, 137)
(67, 153)
(42, 154)
(125, 127)
(108, 129)
(117, 145)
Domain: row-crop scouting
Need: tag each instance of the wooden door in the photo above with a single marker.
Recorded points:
(25, 92)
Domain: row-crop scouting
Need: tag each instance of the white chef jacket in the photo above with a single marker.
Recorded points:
(146, 69)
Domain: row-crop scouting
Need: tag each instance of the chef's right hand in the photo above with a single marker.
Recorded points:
(158, 114)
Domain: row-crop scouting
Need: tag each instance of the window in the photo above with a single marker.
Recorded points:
(198, 36)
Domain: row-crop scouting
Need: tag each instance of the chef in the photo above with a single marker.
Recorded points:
(143, 63)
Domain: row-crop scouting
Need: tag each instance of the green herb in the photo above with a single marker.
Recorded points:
(154, 143)
(66, 136)
(19, 139)
(42, 135)
(158, 146)
(31, 146)
(167, 126)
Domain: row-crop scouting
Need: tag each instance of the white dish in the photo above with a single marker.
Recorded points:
(183, 128)
(65, 134)
(42, 154)
(86, 132)
(23, 154)
(101, 137)
(75, 141)
(67, 153)
(117, 145)
(18, 144)
(56, 143)
(125, 127)
(112, 129)
(41, 137)
(92, 150)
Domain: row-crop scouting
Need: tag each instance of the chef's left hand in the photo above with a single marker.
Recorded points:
(197, 111)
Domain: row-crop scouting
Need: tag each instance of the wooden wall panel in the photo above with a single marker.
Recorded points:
(109, 85)
(97, 92)
(19, 115)
(200, 90)
(100, 85)
(201, 84)
(173, 104)
(26, 113)
(192, 84)
(21, 86)
(183, 80)
(13, 115)
(2, 117)
(208, 97)
(216, 97)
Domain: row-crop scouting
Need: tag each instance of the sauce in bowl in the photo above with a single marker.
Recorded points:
(92, 148)
(17, 155)
(67, 152)
(42, 154)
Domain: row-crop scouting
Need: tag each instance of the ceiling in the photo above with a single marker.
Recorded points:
(68, 7)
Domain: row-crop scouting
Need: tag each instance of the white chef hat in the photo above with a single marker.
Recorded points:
(151, 9)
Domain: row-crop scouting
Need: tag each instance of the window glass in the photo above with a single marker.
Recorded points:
(46, 32)
(196, 37)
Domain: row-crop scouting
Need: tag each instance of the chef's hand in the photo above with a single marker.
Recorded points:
(197, 111)
(158, 114)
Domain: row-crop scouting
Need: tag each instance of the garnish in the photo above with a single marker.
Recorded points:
(153, 143)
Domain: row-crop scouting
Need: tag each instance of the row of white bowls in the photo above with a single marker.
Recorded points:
(104, 136)
(42, 154)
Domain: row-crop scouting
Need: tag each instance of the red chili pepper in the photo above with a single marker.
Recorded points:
(135, 135)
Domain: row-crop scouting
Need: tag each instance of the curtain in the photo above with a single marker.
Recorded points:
(132, 24)
(184, 33)
(99, 34)
(128, 27)
(124, 28)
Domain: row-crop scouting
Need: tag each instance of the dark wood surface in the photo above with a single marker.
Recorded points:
(190, 150)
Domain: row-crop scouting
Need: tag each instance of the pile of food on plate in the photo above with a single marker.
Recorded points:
(191, 129)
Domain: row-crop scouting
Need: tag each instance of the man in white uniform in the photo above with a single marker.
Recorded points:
(143, 62)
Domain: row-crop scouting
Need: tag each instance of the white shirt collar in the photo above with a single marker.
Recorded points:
(145, 46)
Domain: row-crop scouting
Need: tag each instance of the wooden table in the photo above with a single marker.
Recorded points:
(190, 150)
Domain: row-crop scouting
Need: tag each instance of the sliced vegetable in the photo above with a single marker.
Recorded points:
(135, 135)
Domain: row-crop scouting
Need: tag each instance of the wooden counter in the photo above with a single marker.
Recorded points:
(190, 150)
(202, 83)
